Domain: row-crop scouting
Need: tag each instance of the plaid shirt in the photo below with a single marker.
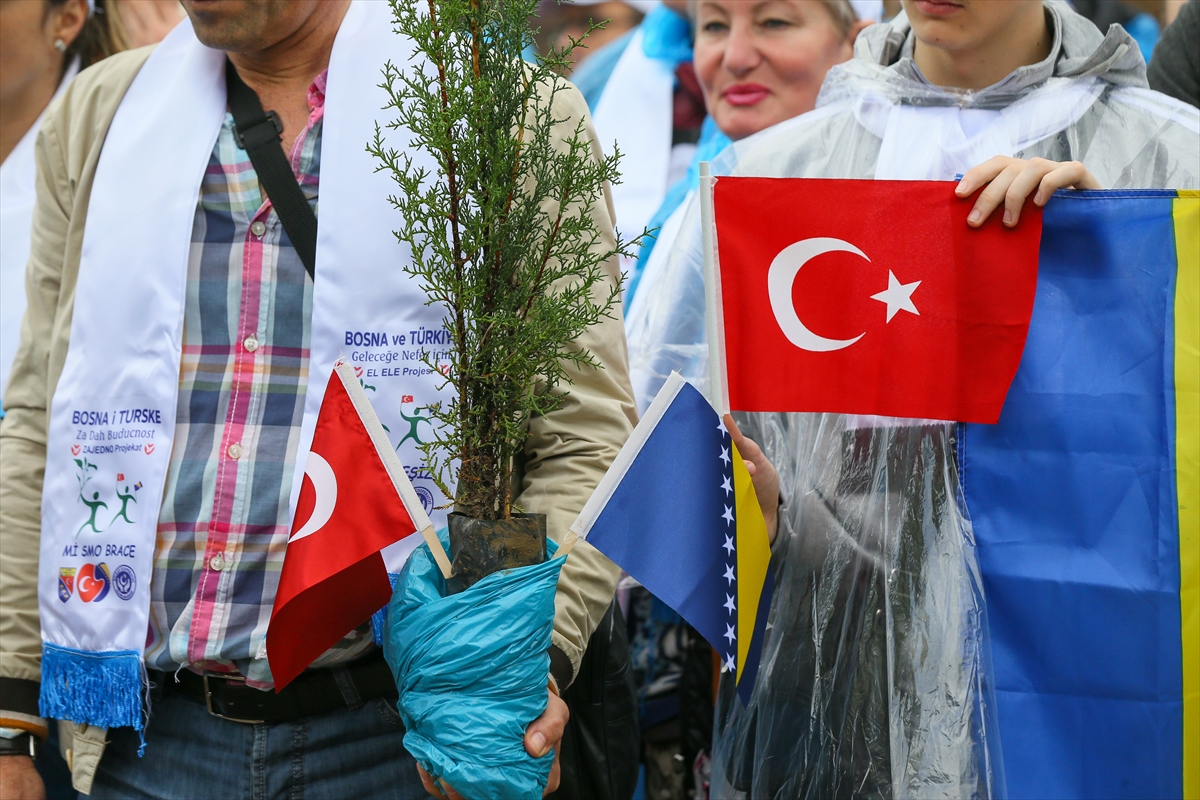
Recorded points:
(224, 522)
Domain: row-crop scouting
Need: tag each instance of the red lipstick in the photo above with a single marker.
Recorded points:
(745, 94)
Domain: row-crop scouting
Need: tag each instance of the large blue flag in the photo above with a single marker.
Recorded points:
(1085, 500)
(677, 511)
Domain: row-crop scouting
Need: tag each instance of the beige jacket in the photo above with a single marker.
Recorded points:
(567, 452)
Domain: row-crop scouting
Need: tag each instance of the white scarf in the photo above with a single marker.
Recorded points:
(112, 421)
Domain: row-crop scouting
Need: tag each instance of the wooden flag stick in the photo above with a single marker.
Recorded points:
(439, 552)
(568, 544)
(391, 461)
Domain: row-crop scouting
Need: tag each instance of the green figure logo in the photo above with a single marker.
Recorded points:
(413, 422)
(125, 500)
(95, 504)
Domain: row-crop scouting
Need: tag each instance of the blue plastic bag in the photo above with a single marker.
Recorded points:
(472, 670)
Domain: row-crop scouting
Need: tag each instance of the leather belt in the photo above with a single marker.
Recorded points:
(313, 692)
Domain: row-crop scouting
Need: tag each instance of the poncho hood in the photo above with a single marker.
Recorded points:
(1079, 50)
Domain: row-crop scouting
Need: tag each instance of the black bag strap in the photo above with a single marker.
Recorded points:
(259, 132)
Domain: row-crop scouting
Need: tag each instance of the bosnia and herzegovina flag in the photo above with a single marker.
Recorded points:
(1085, 501)
(677, 511)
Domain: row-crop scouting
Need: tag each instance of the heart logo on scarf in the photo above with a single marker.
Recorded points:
(149, 448)
(75, 449)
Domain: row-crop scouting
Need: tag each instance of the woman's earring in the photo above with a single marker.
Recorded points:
(60, 45)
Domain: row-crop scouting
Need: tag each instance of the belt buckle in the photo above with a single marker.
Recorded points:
(208, 699)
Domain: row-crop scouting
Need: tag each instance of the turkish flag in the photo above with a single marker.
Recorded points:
(871, 297)
(355, 501)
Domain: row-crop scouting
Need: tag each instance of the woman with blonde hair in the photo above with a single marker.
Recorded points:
(759, 63)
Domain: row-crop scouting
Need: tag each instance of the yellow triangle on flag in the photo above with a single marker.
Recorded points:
(753, 557)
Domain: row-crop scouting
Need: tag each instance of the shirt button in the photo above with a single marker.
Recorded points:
(234, 451)
(258, 228)
(250, 343)
(217, 563)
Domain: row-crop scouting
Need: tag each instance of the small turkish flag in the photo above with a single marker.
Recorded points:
(355, 501)
(871, 297)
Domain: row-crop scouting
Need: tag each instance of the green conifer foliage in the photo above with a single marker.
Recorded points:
(501, 232)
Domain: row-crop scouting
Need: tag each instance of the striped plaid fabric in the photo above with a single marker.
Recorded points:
(224, 522)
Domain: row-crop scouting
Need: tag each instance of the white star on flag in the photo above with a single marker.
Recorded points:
(729, 634)
(728, 516)
(725, 485)
(728, 576)
(729, 665)
(725, 455)
(898, 296)
(729, 604)
(721, 426)
(729, 548)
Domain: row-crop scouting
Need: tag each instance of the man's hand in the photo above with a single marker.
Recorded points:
(762, 473)
(1010, 180)
(19, 779)
(543, 733)
(546, 732)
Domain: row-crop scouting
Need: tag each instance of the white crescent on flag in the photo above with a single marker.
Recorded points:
(325, 485)
(780, 278)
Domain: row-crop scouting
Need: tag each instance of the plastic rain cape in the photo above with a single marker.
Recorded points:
(875, 676)
(472, 671)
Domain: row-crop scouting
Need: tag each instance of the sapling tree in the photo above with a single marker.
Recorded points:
(501, 230)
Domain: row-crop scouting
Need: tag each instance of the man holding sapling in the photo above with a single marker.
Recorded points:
(162, 281)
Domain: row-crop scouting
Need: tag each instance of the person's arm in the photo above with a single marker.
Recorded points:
(23, 462)
(566, 454)
(569, 450)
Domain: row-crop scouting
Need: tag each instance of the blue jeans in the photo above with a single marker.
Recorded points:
(347, 753)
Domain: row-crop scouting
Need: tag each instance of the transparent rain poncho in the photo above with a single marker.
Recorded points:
(875, 676)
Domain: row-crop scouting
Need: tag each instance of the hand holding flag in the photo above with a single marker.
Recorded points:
(762, 473)
(678, 511)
